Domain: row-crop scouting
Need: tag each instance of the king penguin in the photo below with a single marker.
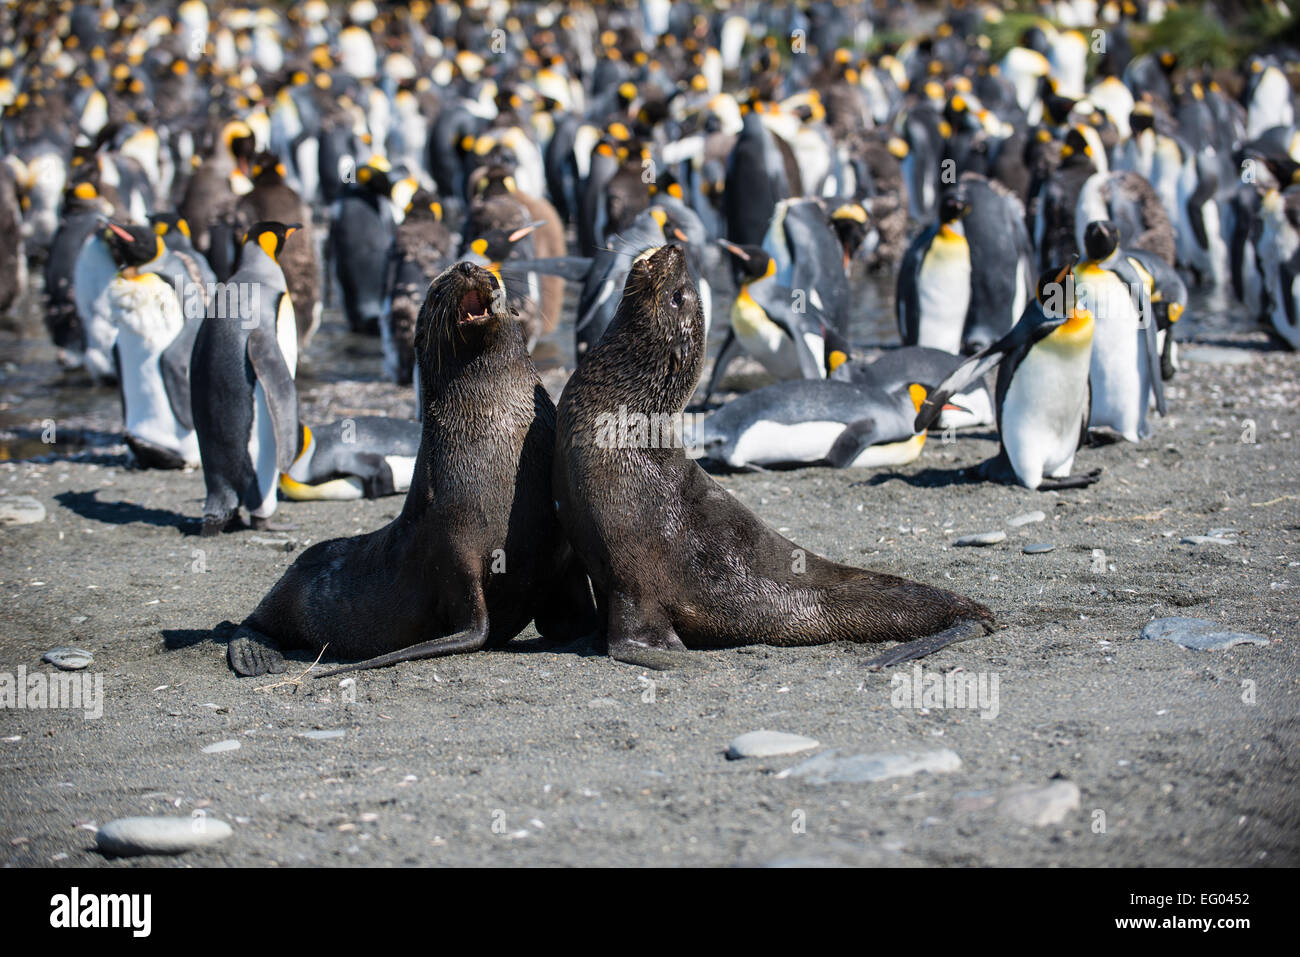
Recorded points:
(245, 404)
(1125, 354)
(363, 457)
(813, 422)
(934, 280)
(783, 330)
(150, 353)
(1042, 389)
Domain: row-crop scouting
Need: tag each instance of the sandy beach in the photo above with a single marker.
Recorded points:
(543, 756)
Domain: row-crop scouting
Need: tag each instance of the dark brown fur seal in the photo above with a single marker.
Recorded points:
(676, 561)
(476, 553)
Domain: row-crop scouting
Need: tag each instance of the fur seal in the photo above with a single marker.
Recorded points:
(476, 553)
(676, 561)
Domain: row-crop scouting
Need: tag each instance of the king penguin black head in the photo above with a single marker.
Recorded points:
(132, 245)
(496, 245)
(751, 261)
(1100, 239)
(954, 205)
(270, 236)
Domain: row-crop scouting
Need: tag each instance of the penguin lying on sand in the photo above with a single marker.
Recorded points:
(896, 368)
(812, 422)
(362, 457)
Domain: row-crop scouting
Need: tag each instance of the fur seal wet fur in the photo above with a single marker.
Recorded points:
(676, 562)
(476, 553)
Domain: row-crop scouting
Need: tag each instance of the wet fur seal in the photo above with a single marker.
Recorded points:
(677, 562)
(476, 553)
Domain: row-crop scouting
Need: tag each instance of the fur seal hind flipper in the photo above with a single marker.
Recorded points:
(963, 630)
(644, 637)
(463, 641)
(251, 653)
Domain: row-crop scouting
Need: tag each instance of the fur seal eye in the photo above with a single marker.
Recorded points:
(678, 299)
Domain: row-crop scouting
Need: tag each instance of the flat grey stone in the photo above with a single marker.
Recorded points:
(1198, 634)
(1216, 354)
(69, 659)
(829, 768)
(1040, 806)
(131, 836)
(1206, 540)
(20, 510)
(1026, 518)
(982, 538)
(228, 745)
(1038, 548)
(766, 744)
(323, 735)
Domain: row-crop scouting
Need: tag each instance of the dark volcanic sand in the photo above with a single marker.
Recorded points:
(561, 753)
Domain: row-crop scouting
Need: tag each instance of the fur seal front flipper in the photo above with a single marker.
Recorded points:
(675, 560)
(477, 552)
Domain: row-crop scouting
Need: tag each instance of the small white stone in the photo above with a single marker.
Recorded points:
(1040, 807)
(228, 745)
(130, 836)
(20, 510)
(766, 744)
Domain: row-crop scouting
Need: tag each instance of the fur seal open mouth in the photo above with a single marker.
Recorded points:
(473, 309)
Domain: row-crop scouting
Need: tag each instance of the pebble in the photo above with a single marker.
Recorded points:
(20, 510)
(1216, 354)
(283, 544)
(829, 768)
(1026, 519)
(1198, 634)
(228, 745)
(130, 836)
(982, 538)
(1206, 540)
(766, 744)
(1038, 548)
(1040, 807)
(69, 659)
(323, 735)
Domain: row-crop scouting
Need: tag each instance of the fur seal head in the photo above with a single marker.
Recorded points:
(656, 339)
(464, 316)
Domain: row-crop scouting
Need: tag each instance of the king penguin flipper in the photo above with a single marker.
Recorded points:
(856, 436)
(1146, 316)
(281, 395)
(572, 268)
(175, 365)
(1022, 335)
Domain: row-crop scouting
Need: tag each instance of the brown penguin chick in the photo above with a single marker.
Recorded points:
(548, 238)
(421, 249)
(675, 560)
(1155, 232)
(627, 193)
(476, 553)
(506, 216)
(272, 199)
(13, 254)
(212, 195)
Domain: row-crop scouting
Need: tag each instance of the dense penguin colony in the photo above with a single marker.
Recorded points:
(186, 185)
